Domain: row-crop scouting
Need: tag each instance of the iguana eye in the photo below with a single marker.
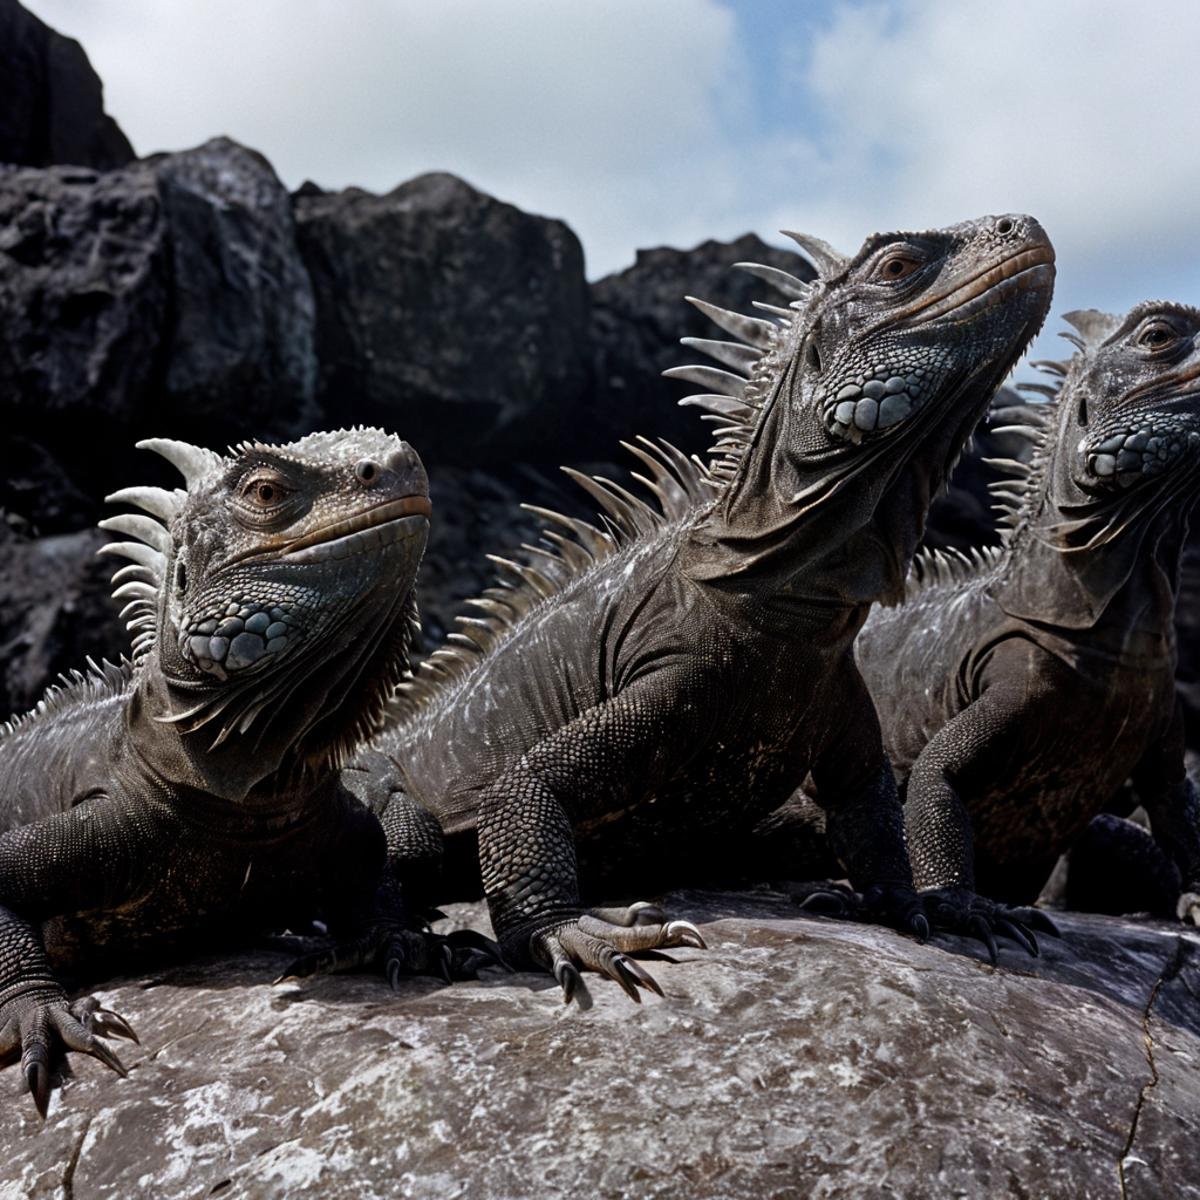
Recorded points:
(898, 264)
(1157, 335)
(265, 490)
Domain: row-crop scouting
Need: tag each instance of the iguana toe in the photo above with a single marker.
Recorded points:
(42, 1027)
(960, 911)
(594, 942)
(398, 953)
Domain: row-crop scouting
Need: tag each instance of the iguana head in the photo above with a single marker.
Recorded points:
(273, 596)
(1129, 407)
(863, 391)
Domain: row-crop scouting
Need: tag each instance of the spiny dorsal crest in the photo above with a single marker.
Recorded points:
(570, 547)
(734, 393)
(139, 585)
(1094, 327)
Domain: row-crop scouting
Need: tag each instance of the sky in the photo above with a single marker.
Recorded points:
(666, 122)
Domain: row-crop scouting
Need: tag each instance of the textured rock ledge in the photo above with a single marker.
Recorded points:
(796, 1058)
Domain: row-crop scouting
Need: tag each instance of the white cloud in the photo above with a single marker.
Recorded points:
(639, 122)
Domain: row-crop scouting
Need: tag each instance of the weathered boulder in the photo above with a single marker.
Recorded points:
(638, 317)
(54, 611)
(164, 297)
(51, 101)
(795, 1058)
(239, 358)
(451, 317)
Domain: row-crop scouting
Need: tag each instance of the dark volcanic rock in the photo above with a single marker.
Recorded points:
(456, 320)
(54, 611)
(240, 353)
(163, 298)
(83, 285)
(638, 317)
(795, 1058)
(51, 101)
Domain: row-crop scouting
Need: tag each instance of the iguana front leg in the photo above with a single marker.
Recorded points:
(71, 862)
(1170, 799)
(939, 832)
(606, 759)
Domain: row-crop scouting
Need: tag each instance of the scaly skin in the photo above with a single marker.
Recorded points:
(193, 793)
(665, 681)
(1018, 695)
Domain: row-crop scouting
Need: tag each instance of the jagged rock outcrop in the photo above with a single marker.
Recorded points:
(639, 315)
(166, 297)
(450, 316)
(794, 1058)
(51, 101)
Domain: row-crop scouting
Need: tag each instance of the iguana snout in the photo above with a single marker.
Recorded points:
(1134, 396)
(922, 311)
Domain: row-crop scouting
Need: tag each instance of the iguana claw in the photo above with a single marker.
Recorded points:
(397, 953)
(959, 910)
(604, 941)
(42, 1026)
(1187, 909)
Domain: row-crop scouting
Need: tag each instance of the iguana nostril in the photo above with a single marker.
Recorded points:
(1005, 226)
(367, 472)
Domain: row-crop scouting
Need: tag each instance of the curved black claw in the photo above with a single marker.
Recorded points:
(41, 1027)
(398, 953)
(607, 941)
(960, 911)
(894, 905)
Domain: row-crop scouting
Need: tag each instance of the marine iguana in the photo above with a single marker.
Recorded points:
(1019, 689)
(193, 791)
(675, 671)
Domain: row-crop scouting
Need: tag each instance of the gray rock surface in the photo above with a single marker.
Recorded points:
(51, 101)
(450, 316)
(795, 1058)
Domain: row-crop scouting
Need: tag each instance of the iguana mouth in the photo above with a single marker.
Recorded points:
(370, 531)
(374, 529)
(1031, 262)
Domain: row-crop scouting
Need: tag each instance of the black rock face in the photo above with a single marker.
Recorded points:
(449, 316)
(51, 101)
(164, 298)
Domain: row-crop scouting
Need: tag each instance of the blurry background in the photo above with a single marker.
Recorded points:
(279, 215)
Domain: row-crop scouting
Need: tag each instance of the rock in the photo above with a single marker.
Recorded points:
(54, 611)
(638, 317)
(794, 1058)
(166, 297)
(458, 321)
(51, 101)
(240, 357)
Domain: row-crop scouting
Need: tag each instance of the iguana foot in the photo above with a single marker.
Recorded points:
(603, 940)
(1187, 909)
(395, 953)
(40, 1026)
(895, 905)
(961, 911)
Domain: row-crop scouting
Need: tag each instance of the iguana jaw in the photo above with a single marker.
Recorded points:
(366, 532)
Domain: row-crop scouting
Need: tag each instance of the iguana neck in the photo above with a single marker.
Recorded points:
(1112, 574)
(803, 531)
